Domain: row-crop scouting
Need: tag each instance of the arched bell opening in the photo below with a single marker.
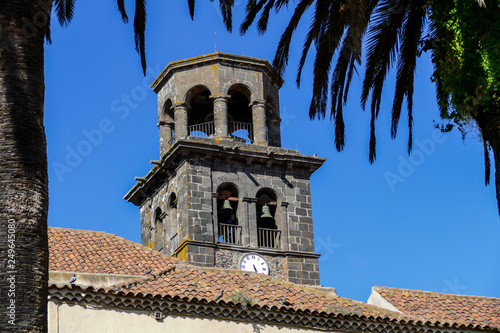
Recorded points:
(201, 113)
(166, 124)
(159, 236)
(172, 202)
(167, 114)
(239, 112)
(267, 229)
(227, 214)
(172, 232)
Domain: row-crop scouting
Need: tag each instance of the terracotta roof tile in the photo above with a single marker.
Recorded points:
(460, 309)
(247, 289)
(85, 251)
(98, 252)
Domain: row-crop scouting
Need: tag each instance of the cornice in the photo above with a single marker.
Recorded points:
(215, 58)
(322, 321)
(220, 151)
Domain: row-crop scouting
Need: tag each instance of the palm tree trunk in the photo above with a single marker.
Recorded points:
(489, 123)
(23, 167)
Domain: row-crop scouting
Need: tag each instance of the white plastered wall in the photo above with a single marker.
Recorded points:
(65, 317)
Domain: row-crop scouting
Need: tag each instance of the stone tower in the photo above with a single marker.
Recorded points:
(224, 193)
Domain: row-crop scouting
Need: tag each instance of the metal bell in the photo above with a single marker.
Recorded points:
(266, 214)
(226, 208)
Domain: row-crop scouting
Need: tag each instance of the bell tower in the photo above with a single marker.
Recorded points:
(224, 193)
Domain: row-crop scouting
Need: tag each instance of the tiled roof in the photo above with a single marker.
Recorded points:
(460, 309)
(85, 251)
(191, 283)
(98, 252)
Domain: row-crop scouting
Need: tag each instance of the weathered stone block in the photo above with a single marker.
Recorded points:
(205, 215)
(196, 179)
(301, 211)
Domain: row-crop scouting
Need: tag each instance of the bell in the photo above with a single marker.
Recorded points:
(226, 208)
(266, 214)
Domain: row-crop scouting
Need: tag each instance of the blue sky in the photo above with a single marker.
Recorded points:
(424, 221)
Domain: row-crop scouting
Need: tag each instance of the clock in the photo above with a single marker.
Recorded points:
(252, 262)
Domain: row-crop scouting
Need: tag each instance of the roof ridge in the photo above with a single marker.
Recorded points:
(258, 275)
(379, 288)
(107, 234)
(83, 231)
(145, 278)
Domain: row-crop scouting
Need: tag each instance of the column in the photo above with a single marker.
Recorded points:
(220, 115)
(215, 217)
(259, 122)
(284, 226)
(252, 222)
(165, 136)
(181, 120)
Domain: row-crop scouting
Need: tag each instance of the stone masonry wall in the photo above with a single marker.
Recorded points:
(303, 270)
(194, 222)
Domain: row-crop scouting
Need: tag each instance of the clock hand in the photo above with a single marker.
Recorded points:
(255, 268)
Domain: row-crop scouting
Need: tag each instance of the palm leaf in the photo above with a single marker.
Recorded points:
(349, 55)
(326, 42)
(121, 9)
(281, 58)
(381, 49)
(382, 45)
(411, 33)
(64, 11)
(252, 9)
(191, 8)
(487, 164)
(264, 18)
(140, 30)
(226, 11)
(280, 4)
(312, 34)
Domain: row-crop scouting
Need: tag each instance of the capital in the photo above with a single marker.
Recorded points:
(164, 123)
(182, 105)
(220, 97)
(257, 103)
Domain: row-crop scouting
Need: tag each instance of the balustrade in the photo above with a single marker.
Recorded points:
(229, 233)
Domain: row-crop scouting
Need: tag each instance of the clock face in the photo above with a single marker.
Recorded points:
(252, 262)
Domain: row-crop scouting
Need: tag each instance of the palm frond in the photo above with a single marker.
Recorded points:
(121, 9)
(264, 18)
(326, 42)
(438, 55)
(191, 8)
(361, 19)
(226, 11)
(281, 58)
(350, 53)
(487, 164)
(140, 30)
(280, 4)
(252, 9)
(372, 155)
(381, 48)
(64, 11)
(411, 33)
(312, 34)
